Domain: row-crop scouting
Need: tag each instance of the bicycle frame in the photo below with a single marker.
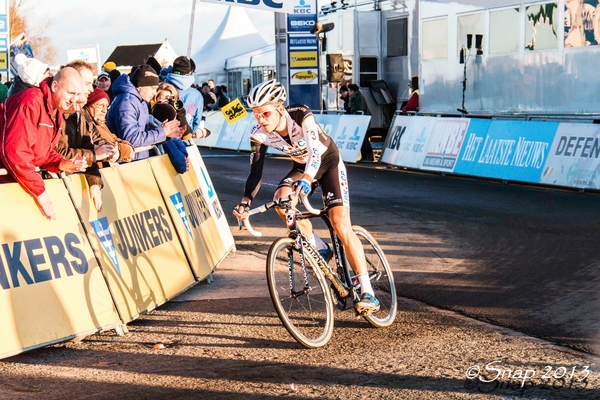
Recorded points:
(304, 288)
(343, 286)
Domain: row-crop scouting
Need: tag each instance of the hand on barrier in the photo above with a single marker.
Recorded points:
(172, 129)
(303, 186)
(126, 151)
(96, 195)
(104, 151)
(116, 155)
(76, 164)
(201, 133)
(45, 205)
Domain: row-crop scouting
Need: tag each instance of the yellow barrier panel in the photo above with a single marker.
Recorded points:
(189, 210)
(225, 238)
(51, 287)
(136, 238)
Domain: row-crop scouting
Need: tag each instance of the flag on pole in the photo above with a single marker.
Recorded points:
(234, 111)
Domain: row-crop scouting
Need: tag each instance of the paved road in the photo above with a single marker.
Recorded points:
(516, 256)
(520, 257)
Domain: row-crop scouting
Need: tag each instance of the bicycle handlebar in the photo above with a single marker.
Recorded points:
(307, 205)
(245, 222)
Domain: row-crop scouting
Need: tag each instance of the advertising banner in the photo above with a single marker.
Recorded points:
(215, 121)
(283, 6)
(4, 47)
(307, 76)
(236, 136)
(510, 150)
(135, 237)
(303, 41)
(226, 242)
(347, 131)
(303, 55)
(88, 54)
(51, 286)
(444, 144)
(189, 209)
(301, 59)
(406, 142)
(574, 158)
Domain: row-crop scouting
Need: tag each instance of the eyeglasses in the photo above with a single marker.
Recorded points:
(264, 114)
(101, 107)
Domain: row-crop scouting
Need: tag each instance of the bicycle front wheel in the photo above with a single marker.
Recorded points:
(382, 280)
(306, 311)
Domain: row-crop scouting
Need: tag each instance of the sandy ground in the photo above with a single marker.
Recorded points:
(224, 340)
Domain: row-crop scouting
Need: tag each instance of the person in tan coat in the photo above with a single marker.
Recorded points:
(95, 118)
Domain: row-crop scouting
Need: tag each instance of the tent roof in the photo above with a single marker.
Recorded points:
(235, 35)
(264, 57)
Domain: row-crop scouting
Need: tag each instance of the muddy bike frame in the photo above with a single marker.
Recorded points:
(341, 284)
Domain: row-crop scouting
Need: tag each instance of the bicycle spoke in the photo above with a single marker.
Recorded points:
(307, 316)
(382, 280)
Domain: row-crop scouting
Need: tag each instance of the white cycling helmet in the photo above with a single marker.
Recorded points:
(265, 93)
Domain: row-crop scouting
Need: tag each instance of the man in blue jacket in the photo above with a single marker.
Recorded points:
(181, 77)
(128, 114)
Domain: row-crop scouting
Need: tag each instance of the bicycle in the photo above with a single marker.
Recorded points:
(297, 277)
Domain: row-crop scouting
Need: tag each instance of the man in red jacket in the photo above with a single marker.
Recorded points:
(29, 131)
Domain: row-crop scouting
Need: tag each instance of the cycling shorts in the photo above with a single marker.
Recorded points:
(331, 176)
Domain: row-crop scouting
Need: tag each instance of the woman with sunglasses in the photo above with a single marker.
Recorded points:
(317, 161)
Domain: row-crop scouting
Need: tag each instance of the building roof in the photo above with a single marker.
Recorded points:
(130, 55)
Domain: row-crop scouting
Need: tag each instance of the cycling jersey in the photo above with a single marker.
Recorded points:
(313, 152)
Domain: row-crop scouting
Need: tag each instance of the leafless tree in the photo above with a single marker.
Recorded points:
(42, 45)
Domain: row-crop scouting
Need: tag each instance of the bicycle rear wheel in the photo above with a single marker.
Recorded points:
(308, 314)
(382, 280)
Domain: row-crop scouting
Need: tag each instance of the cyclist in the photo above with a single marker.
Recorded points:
(317, 161)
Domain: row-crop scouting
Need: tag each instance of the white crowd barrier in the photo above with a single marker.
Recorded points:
(550, 153)
(347, 131)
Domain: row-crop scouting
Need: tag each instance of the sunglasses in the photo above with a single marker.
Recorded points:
(264, 114)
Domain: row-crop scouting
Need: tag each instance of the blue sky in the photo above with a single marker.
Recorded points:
(110, 23)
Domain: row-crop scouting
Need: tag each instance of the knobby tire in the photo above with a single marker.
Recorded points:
(307, 317)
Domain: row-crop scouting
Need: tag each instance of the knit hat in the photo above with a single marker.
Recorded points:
(144, 75)
(109, 66)
(114, 74)
(154, 64)
(182, 66)
(31, 71)
(97, 95)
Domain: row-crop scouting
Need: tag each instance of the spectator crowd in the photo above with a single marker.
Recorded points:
(76, 122)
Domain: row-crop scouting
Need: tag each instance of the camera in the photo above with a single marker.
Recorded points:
(177, 104)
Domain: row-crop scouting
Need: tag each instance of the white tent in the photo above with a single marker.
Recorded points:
(264, 57)
(235, 35)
